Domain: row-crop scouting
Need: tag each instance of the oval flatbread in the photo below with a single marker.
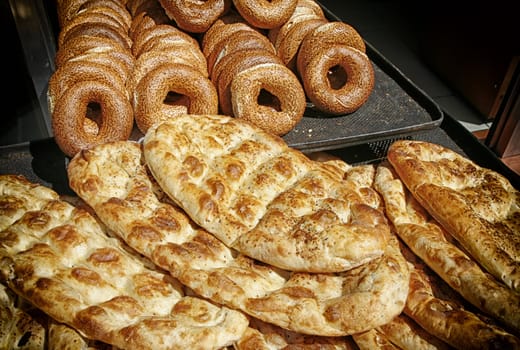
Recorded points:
(428, 241)
(112, 178)
(477, 206)
(262, 198)
(60, 259)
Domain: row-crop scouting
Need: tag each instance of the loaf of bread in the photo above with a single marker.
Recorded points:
(476, 205)
(60, 259)
(263, 198)
(426, 238)
(113, 179)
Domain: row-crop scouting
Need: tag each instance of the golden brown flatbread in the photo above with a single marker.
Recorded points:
(24, 327)
(477, 206)
(262, 198)
(59, 258)
(63, 337)
(373, 339)
(113, 179)
(446, 318)
(426, 238)
(430, 302)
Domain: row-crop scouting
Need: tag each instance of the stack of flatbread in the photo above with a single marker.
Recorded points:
(211, 234)
(61, 259)
(459, 222)
(300, 237)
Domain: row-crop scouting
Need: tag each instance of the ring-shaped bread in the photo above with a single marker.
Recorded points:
(218, 33)
(70, 116)
(338, 79)
(195, 16)
(117, 10)
(269, 96)
(241, 40)
(73, 71)
(230, 65)
(159, 32)
(265, 14)
(88, 17)
(332, 33)
(114, 33)
(192, 92)
(87, 43)
(121, 61)
(301, 13)
(154, 10)
(289, 45)
(312, 6)
(67, 9)
(133, 6)
(140, 23)
(152, 59)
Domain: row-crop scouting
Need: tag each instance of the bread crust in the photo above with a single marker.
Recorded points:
(18, 326)
(112, 178)
(404, 332)
(60, 259)
(265, 336)
(477, 206)
(450, 321)
(262, 198)
(426, 239)
(373, 339)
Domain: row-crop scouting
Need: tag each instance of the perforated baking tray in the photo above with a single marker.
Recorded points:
(396, 108)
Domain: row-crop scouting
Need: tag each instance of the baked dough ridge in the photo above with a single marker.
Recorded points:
(60, 259)
(477, 206)
(261, 197)
(113, 179)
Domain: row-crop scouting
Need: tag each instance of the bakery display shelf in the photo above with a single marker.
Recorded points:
(396, 108)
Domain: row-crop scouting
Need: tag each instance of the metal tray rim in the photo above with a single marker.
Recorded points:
(406, 84)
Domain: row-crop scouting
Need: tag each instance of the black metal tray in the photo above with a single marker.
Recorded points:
(396, 108)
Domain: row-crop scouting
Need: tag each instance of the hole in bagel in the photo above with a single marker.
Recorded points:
(93, 118)
(175, 99)
(337, 77)
(265, 98)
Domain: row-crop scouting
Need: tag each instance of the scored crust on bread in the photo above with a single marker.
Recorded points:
(374, 339)
(477, 206)
(63, 337)
(113, 179)
(22, 326)
(426, 238)
(261, 197)
(400, 334)
(60, 259)
(12, 208)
